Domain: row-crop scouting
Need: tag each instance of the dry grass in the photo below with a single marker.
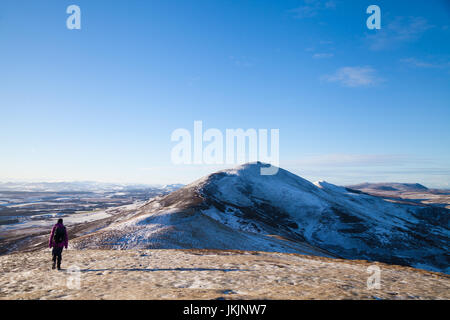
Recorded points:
(208, 274)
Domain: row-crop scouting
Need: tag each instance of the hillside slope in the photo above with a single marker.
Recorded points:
(241, 209)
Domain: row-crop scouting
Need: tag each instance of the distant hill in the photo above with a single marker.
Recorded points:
(391, 186)
(79, 186)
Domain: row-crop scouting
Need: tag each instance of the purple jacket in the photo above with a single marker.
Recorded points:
(65, 243)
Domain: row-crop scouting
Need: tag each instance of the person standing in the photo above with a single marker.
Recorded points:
(58, 240)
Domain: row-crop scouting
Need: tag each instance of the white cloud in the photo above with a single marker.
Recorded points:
(354, 76)
(323, 55)
(241, 61)
(330, 4)
(351, 160)
(399, 30)
(425, 64)
(417, 63)
(346, 169)
(311, 8)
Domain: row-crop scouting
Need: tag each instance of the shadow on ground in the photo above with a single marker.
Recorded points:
(152, 270)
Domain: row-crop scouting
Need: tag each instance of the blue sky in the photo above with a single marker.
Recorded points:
(100, 103)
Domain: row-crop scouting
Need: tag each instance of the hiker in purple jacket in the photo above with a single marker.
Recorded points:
(58, 240)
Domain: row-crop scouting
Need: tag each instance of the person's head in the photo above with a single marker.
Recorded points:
(60, 221)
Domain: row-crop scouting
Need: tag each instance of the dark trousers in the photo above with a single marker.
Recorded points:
(57, 255)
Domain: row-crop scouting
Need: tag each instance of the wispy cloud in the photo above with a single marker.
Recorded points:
(322, 55)
(399, 30)
(351, 160)
(417, 63)
(241, 61)
(192, 80)
(432, 178)
(323, 51)
(354, 76)
(311, 8)
(346, 169)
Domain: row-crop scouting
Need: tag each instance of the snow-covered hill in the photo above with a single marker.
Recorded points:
(241, 209)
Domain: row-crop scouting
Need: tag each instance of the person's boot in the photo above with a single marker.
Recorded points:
(54, 265)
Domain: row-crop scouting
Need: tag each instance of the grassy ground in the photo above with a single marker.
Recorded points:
(207, 274)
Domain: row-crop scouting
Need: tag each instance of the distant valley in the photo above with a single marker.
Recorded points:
(28, 210)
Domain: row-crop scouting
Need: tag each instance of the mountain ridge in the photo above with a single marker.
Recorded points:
(241, 209)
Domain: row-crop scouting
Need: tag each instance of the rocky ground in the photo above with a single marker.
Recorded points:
(207, 274)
